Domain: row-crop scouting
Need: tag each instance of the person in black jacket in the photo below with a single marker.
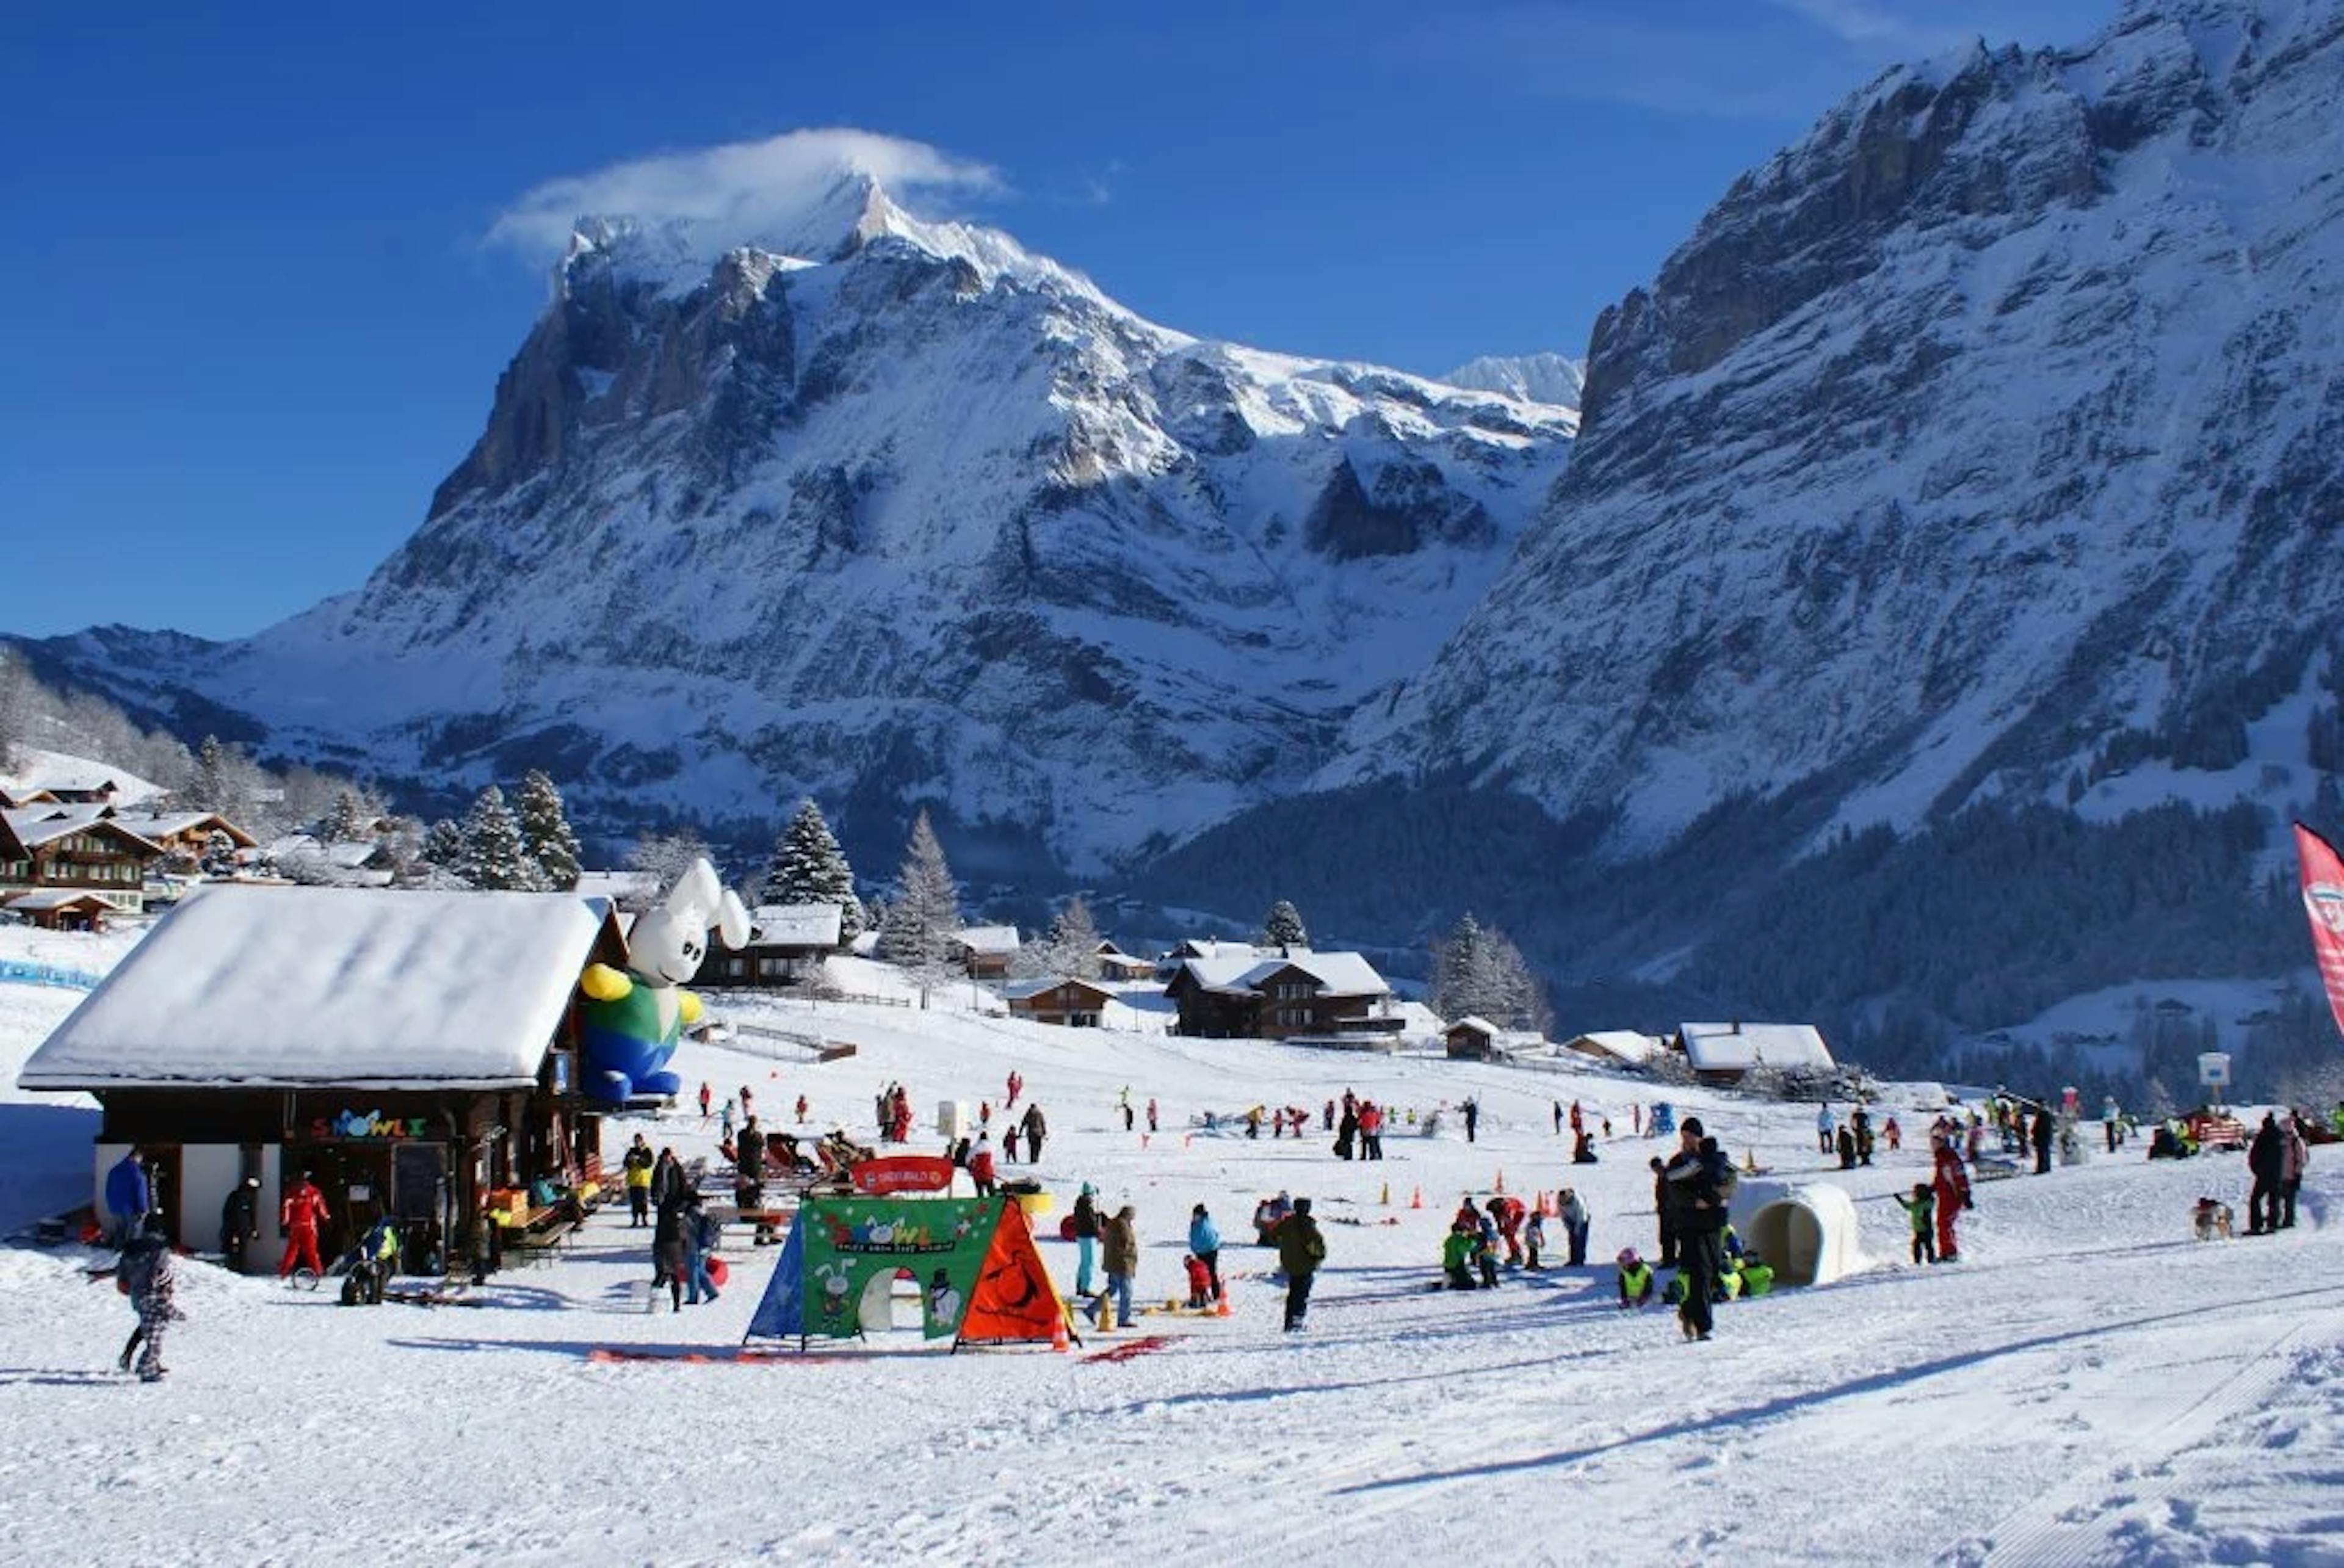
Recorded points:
(2042, 1140)
(1036, 1130)
(2266, 1159)
(239, 1221)
(1662, 1212)
(671, 1265)
(1697, 1179)
(638, 1164)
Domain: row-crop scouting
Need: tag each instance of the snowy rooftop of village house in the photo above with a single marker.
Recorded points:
(1620, 1045)
(794, 924)
(1036, 985)
(282, 987)
(36, 824)
(38, 770)
(987, 938)
(1733, 1048)
(1239, 969)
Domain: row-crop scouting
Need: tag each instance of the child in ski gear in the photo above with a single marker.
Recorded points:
(980, 1165)
(700, 1234)
(1457, 1250)
(1485, 1251)
(1534, 1239)
(1205, 1241)
(1086, 1237)
(1922, 1209)
(149, 1278)
(1951, 1183)
(1300, 1249)
(1200, 1282)
(1636, 1280)
(1507, 1212)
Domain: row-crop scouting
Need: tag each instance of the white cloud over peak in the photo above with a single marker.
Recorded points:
(734, 193)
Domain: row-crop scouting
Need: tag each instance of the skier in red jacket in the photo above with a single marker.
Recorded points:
(1509, 1213)
(303, 1212)
(1953, 1192)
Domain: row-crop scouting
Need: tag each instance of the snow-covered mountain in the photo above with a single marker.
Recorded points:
(894, 510)
(1987, 440)
(1552, 379)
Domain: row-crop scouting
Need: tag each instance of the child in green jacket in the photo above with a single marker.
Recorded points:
(1921, 1209)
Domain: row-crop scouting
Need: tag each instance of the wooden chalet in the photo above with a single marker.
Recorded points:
(1057, 999)
(187, 838)
(1622, 1047)
(77, 847)
(786, 945)
(1473, 1038)
(58, 909)
(1115, 964)
(985, 951)
(1273, 994)
(416, 1052)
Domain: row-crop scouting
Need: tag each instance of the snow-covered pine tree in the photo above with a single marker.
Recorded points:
(1479, 971)
(16, 707)
(494, 857)
(1071, 948)
(1456, 961)
(209, 786)
(443, 846)
(545, 830)
(926, 912)
(350, 821)
(809, 867)
(666, 856)
(1284, 928)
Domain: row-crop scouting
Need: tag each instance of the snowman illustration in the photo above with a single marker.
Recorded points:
(943, 1301)
(631, 1017)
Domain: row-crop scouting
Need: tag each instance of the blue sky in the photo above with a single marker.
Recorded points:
(255, 315)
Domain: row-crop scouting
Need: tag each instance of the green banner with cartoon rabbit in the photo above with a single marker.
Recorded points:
(849, 1242)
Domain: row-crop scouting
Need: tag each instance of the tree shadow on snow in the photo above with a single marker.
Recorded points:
(1768, 1410)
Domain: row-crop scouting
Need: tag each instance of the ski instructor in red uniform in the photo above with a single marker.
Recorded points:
(304, 1211)
(1953, 1185)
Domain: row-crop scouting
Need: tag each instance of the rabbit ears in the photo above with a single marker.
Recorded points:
(701, 903)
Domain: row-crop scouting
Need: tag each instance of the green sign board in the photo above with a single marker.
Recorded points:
(851, 1241)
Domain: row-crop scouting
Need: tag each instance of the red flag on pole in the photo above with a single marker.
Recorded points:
(2323, 903)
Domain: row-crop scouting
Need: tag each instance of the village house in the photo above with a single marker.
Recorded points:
(79, 847)
(58, 909)
(1057, 999)
(1115, 964)
(786, 945)
(187, 838)
(414, 1051)
(985, 951)
(1725, 1053)
(1473, 1038)
(1239, 992)
(1621, 1048)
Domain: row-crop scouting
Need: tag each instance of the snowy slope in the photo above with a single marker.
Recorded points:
(1997, 415)
(2153, 1399)
(896, 508)
(1553, 378)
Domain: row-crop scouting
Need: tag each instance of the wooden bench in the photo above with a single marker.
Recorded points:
(542, 1231)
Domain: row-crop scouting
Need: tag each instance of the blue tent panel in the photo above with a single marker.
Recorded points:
(782, 1312)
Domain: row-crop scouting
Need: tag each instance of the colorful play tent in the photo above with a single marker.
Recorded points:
(1807, 1230)
(982, 1279)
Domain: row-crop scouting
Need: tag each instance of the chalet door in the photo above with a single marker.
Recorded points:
(419, 1200)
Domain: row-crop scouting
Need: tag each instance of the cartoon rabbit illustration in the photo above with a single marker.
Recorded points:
(631, 1017)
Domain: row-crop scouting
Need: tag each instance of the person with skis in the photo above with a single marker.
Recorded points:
(1300, 1250)
(303, 1211)
(148, 1276)
(1950, 1185)
(2111, 1122)
(637, 1163)
(239, 1221)
(1036, 1130)
(129, 1195)
(1921, 1209)
(2265, 1159)
(1636, 1280)
(1205, 1242)
(1575, 1222)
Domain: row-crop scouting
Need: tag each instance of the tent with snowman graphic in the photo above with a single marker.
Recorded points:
(978, 1275)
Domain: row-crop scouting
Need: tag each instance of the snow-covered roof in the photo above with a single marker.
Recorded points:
(156, 826)
(1478, 1024)
(793, 925)
(1221, 971)
(283, 986)
(38, 770)
(616, 885)
(38, 824)
(1619, 1045)
(43, 899)
(1338, 974)
(352, 854)
(988, 939)
(1034, 986)
(1736, 1048)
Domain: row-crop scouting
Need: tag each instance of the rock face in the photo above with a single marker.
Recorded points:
(901, 512)
(2001, 417)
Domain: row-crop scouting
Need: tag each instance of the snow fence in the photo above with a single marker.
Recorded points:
(1807, 1230)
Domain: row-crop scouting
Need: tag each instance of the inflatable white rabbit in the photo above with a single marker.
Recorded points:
(631, 1017)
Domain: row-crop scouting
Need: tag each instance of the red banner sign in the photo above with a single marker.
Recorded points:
(2323, 902)
(902, 1173)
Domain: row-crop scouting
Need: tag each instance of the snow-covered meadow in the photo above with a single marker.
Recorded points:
(2090, 1385)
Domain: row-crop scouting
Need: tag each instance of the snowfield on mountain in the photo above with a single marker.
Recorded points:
(2089, 1385)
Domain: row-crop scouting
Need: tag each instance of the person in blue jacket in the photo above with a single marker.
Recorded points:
(1205, 1241)
(128, 1197)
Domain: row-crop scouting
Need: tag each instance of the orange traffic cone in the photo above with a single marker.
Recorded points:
(1058, 1340)
(1221, 1306)
(1501, 1187)
(1416, 1198)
